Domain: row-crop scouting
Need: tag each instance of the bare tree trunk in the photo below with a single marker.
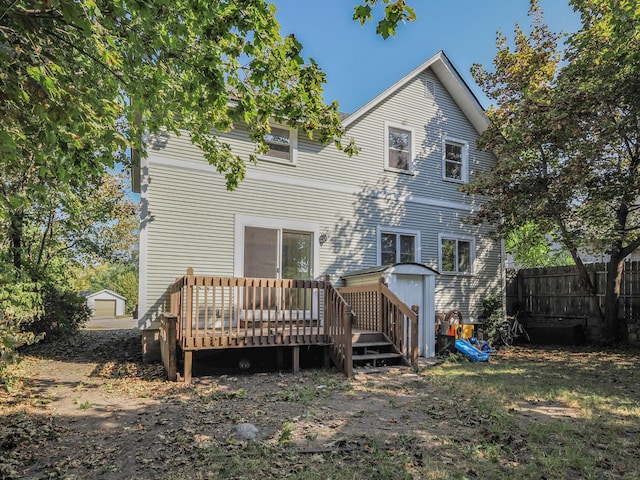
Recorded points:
(588, 285)
(16, 231)
(611, 324)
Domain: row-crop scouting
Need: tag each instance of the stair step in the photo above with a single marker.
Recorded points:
(375, 356)
(368, 337)
(372, 344)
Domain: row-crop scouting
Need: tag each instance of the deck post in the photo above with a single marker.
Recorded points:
(171, 361)
(279, 358)
(379, 299)
(189, 312)
(326, 357)
(295, 359)
(414, 336)
(348, 319)
(188, 365)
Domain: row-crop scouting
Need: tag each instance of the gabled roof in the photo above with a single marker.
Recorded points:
(450, 79)
(112, 293)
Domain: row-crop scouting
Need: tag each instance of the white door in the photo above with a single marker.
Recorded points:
(418, 289)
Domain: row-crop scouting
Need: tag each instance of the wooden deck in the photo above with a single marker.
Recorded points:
(208, 313)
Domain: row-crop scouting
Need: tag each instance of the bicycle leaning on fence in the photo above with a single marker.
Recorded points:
(512, 330)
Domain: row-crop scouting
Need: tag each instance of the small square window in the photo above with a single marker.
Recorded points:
(283, 144)
(279, 143)
(456, 255)
(399, 148)
(455, 161)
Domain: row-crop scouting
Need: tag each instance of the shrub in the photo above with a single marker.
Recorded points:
(493, 318)
(64, 313)
(19, 304)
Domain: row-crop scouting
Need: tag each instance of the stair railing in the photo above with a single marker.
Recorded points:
(338, 323)
(378, 309)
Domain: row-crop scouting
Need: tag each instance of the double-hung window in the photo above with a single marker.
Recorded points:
(455, 160)
(456, 254)
(283, 144)
(396, 246)
(399, 149)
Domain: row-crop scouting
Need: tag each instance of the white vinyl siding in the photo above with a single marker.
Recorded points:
(191, 217)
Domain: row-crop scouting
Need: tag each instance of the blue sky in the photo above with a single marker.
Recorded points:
(359, 64)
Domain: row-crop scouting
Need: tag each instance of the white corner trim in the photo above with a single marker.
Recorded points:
(143, 239)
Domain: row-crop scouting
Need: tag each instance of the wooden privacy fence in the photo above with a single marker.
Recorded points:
(555, 297)
(228, 312)
(378, 309)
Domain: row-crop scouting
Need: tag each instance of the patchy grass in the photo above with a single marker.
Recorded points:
(89, 408)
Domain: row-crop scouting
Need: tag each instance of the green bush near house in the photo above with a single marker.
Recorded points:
(64, 313)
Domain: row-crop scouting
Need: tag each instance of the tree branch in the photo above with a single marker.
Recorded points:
(43, 242)
(8, 8)
(87, 54)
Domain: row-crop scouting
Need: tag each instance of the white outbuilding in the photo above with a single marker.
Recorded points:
(106, 303)
(414, 284)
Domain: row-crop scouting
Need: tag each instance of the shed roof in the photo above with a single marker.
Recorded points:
(406, 267)
(110, 292)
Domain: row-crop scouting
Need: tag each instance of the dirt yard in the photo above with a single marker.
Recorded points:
(88, 408)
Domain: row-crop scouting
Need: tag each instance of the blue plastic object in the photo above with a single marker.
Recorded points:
(472, 352)
(480, 345)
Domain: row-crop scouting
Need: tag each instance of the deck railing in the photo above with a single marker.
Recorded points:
(379, 309)
(339, 328)
(227, 312)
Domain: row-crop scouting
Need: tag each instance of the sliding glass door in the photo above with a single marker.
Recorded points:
(278, 253)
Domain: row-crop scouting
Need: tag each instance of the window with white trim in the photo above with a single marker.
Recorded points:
(455, 160)
(396, 246)
(283, 144)
(456, 254)
(398, 155)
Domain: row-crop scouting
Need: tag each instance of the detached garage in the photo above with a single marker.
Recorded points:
(106, 303)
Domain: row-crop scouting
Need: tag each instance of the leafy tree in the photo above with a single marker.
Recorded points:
(530, 247)
(566, 137)
(81, 81)
(395, 12)
(85, 78)
(75, 225)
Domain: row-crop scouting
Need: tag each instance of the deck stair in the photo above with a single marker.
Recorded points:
(374, 349)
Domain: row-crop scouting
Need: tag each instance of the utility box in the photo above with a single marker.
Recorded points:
(414, 284)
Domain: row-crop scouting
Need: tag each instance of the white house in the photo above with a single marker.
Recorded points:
(306, 210)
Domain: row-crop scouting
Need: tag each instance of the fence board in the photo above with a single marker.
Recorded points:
(556, 295)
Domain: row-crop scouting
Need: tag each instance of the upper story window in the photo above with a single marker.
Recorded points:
(395, 246)
(456, 254)
(455, 160)
(398, 148)
(283, 144)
